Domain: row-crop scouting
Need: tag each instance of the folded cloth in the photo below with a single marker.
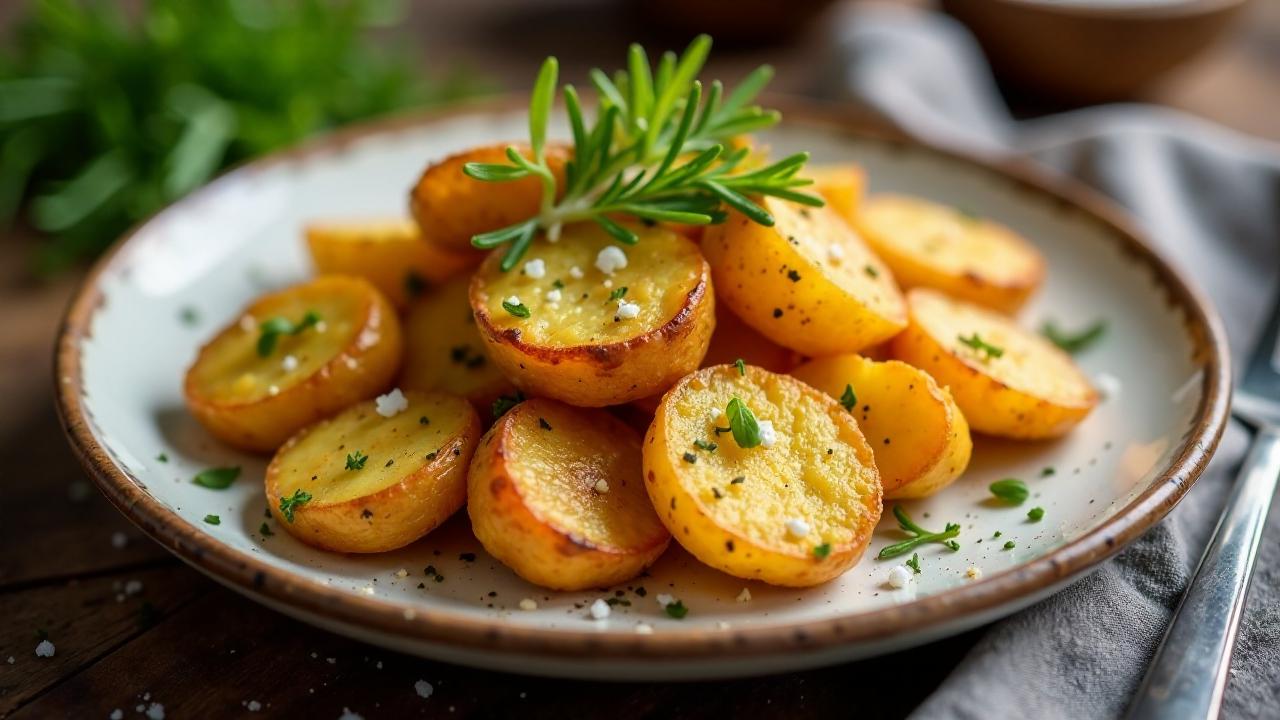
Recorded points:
(1209, 198)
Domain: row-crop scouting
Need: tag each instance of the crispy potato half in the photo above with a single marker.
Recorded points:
(443, 349)
(391, 254)
(590, 338)
(842, 186)
(555, 493)
(339, 343)
(807, 283)
(451, 207)
(796, 510)
(935, 246)
(361, 482)
(919, 436)
(1007, 381)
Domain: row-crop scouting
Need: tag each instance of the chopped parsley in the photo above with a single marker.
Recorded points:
(1046, 472)
(1010, 545)
(914, 563)
(741, 365)
(980, 345)
(870, 271)
(289, 504)
(265, 530)
(356, 460)
(743, 424)
(618, 294)
(213, 519)
(162, 458)
(1074, 342)
(690, 458)
(1035, 513)
(505, 403)
(216, 478)
(519, 310)
(738, 480)
(919, 537)
(848, 398)
(704, 445)
(997, 534)
(558, 284)
(272, 329)
(1010, 490)
(676, 609)
(822, 551)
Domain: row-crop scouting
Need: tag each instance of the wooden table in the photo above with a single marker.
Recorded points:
(133, 626)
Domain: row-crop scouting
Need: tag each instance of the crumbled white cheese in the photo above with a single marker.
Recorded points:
(1109, 385)
(513, 300)
(44, 649)
(155, 711)
(610, 259)
(600, 609)
(665, 599)
(715, 413)
(423, 688)
(11, 660)
(835, 253)
(391, 404)
(768, 436)
(627, 310)
(554, 295)
(289, 363)
(602, 486)
(608, 284)
(402, 573)
(644, 629)
(253, 706)
(528, 604)
(899, 576)
(575, 272)
(797, 528)
(535, 268)
(744, 596)
(119, 540)
(973, 573)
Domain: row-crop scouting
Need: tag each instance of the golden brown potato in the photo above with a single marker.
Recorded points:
(584, 341)
(920, 437)
(451, 207)
(935, 246)
(443, 349)
(841, 186)
(1006, 380)
(807, 283)
(796, 510)
(555, 493)
(345, 347)
(391, 254)
(363, 482)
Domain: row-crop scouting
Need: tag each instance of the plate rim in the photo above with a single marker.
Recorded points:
(436, 626)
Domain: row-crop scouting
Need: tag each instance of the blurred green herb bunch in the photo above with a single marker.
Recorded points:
(106, 115)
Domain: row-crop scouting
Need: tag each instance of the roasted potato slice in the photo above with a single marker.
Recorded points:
(919, 436)
(1007, 381)
(584, 341)
(555, 493)
(796, 510)
(842, 186)
(339, 343)
(443, 349)
(391, 254)
(807, 283)
(451, 207)
(378, 475)
(935, 246)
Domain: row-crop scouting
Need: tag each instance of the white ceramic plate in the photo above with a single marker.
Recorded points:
(125, 347)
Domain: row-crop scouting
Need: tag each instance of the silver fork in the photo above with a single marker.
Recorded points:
(1189, 672)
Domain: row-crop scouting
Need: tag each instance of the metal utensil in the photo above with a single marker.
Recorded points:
(1189, 672)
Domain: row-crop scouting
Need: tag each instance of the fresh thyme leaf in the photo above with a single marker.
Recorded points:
(356, 460)
(822, 551)
(920, 535)
(1035, 513)
(1074, 342)
(704, 445)
(272, 329)
(656, 150)
(213, 519)
(1009, 545)
(291, 503)
(848, 398)
(743, 424)
(977, 343)
(741, 365)
(520, 310)
(676, 609)
(618, 294)
(1010, 490)
(216, 478)
(505, 403)
(914, 563)
(265, 530)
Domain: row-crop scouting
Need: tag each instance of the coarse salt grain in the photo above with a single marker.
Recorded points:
(116, 714)
(602, 486)
(528, 604)
(289, 363)
(133, 587)
(423, 688)
(899, 576)
(402, 573)
(535, 268)
(347, 714)
(155, 711)
(600, 609)
(627, 310)
(835, 253)
(665, 600)
(575, 272)
(44, 649)
(253, 706)
(554, 295)
(610, 259)
(391, 404)
(744, 596)
(513, 300)
(768, 436)
(797, 528)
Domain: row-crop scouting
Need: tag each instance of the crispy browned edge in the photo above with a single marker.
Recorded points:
(249, 574)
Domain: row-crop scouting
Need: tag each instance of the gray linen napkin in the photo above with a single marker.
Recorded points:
(1210, 198)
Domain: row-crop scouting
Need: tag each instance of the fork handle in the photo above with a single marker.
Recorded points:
(1189, 672)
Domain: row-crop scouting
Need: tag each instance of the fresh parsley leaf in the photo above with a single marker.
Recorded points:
(1035, 513)
(704, 445)
(914, 563)
(743, 424)
(848, 398)
(271, 331)
(519, 310)
(741, 365)
(505, 403)
(1010, 490)
(676, 609)
(1074, 342)
(216, 478)
(289, 504)
(919, 535)
(977, 343)
(822, 551)
(1009, 545)
(213, 519)
(618, 294)
(356, 460)
(690, 458)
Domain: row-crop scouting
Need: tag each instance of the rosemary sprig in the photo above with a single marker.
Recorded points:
(920, 535)
(656, 151)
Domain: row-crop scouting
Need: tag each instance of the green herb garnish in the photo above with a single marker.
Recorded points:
(520, 310)
(213, 519)
(1010, 490)
(676, 609)
(216, 478)
(162, 457)
(618, 294)
(265, 530)
(848, 398)
(1010, 545)
(921, 536)
(977, 343)
(870, 271)
(1046, 472)
(1035, 513)
(1074, 342)
(356, 460)
(655, 151)
(743, 424)
(505, 403)
(704, 445)
(741, 365)
(690, 458)
(822, 551)
(914, 563)
(299, 498)
(272, 329)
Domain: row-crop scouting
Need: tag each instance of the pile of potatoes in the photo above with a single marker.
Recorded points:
(576, 405)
